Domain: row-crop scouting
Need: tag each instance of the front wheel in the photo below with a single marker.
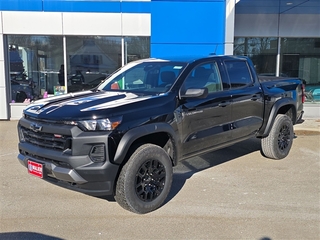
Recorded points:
(278, 144)
(145, 180)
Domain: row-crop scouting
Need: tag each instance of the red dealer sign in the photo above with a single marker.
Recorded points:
(35, 169)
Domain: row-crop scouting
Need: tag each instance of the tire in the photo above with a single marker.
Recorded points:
(145, 180)
(21, 96)
(278, 144)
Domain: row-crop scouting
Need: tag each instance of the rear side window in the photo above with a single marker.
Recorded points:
(238, 73)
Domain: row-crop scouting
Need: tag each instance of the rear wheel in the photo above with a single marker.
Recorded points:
(145, 180)
(278, 144)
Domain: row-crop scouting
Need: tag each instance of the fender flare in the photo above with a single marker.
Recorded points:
(138, 132)
(273, 113)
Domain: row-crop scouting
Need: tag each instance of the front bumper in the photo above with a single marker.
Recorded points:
(71, 179)
(72, 167)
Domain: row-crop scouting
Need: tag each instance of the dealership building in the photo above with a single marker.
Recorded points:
(54, 46)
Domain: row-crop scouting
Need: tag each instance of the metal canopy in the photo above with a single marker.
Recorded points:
(278, 6)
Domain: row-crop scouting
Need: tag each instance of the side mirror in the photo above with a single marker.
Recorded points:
(195, 93)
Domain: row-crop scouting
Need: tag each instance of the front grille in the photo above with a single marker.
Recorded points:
(46, 140)
(37, 157)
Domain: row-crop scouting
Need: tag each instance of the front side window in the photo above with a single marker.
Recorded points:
(239, 74)
(142, 76)
(204, 75)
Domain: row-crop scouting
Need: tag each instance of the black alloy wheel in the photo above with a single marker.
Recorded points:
(278, 143)
(284, 137)
(150, 180)
(145, 180)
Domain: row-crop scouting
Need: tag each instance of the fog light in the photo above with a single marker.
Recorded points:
(97, 153)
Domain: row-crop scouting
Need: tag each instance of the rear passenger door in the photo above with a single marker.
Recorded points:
(247, 99)
(205, 122)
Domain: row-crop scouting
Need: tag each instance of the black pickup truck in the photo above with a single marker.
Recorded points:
(124, 137)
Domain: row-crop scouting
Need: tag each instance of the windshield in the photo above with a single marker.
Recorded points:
(148, 76)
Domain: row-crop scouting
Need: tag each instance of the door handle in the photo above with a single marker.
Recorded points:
(255, 98)
(224, 104)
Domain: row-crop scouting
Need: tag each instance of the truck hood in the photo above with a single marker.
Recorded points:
(86, 105)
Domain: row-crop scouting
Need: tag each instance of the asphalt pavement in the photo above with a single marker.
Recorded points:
(233, 193)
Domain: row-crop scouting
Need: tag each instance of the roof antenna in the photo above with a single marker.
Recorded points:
(214, 53)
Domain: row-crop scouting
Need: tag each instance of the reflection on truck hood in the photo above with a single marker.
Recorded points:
(83, 105)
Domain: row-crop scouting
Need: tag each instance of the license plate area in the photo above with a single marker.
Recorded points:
(35, 169)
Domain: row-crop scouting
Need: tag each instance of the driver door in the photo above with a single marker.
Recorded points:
(205, 122)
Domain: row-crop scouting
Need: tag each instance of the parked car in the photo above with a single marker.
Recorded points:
(316, 94)
(312, 93)
(21, 87)
(86, 86)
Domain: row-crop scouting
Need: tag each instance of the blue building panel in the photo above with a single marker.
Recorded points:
(21, 5)
(81, 6)
(135, 7)
(111, 6)
(188, 26)
(178, 27)
(188, 0)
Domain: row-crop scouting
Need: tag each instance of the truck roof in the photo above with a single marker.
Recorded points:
(193, 58)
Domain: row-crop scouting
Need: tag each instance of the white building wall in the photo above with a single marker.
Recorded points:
(18, 22)
(92, 24)
(229, 26)
(136, 24)
(68, 23)
(3, 89)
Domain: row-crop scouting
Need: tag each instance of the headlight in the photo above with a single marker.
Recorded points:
(105, 124)
(21, 135)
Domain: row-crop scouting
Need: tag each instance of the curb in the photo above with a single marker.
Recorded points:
(309, 124)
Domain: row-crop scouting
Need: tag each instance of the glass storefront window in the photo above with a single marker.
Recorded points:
(136, 48)
(90, 59)
(262, 52)
(34, 63)
(37, 62)
(300, 57)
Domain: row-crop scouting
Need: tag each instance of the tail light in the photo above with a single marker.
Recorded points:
(303, 96)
